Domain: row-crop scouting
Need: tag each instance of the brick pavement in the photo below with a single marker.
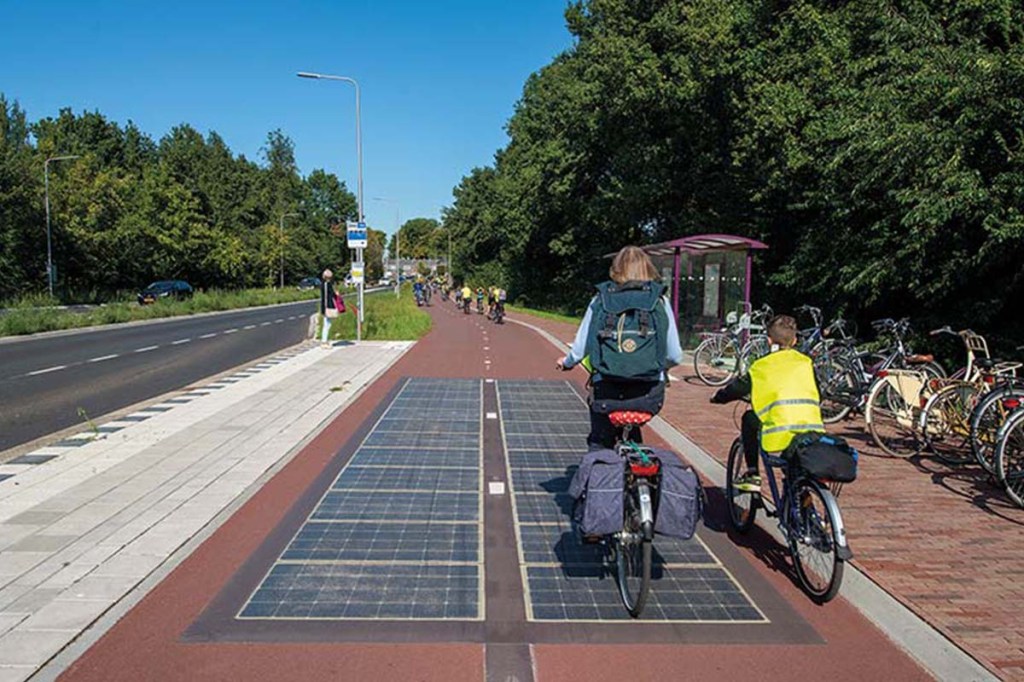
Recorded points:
(944, 542)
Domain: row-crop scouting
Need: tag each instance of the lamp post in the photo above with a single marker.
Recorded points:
(398, 244)
(281, 224)
(359, 191)
(49, 243)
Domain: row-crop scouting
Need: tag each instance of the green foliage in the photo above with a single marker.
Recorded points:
(876, 147)
(131, 210)
(420, 238)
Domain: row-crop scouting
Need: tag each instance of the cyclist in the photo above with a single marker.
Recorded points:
(628, 337)
(417, 291)
(499, 303)
(491, 299)
(467, 294)
(784, 399)
(480, 300)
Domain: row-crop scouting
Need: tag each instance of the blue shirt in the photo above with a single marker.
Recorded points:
(674, 351)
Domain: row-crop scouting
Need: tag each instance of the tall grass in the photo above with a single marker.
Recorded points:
(386, 318)
(545, 314)
(32, 314)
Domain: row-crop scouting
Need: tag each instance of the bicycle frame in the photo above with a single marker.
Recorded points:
(780, 499)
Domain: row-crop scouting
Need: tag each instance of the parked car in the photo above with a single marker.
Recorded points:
(168, 288)
(309, 283)
(384, 282)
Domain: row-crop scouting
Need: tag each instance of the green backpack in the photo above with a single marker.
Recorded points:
(627, 331)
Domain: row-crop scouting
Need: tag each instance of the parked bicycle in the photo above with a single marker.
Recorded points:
(724, 355)
(1009, 453)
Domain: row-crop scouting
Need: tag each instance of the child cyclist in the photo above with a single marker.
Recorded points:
(784, 400)
(629, 339)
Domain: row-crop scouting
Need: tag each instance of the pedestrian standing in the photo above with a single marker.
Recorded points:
(328, 307)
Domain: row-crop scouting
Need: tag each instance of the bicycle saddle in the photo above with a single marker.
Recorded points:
(629, 418)
(919, 359)
(986, 363)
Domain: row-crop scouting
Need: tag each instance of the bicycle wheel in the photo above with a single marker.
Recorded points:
(633, 557)
(891, 420)
(991, 412)
(946, 423)
(742, 505)
(1009, 460)
(757, 347)
(715, 360)
(837, 385)
(812, 541)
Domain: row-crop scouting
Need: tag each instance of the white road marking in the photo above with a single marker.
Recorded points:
(48, 369)
(249, 326)
(103, 357)
(496, 487)
(208, 336)
(179, 342)
(279, 320)
(146, 349)
(230, 331)
(264, 324)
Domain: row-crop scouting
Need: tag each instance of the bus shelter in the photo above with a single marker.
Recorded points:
(709, 275)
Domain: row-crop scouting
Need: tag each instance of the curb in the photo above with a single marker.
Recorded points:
(935, 652)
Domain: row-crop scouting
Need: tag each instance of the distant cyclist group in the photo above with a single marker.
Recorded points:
(465, 296)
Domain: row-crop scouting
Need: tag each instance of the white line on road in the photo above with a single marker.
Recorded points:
(146, 349)
(179, 342)
(103, 357)
(279, 320)
(208, 336)
(230, 331)
(249, 326)
(264, 324)
(48, 369)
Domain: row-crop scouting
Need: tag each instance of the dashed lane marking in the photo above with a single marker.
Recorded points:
(47, 370)
(145, 349)
(208, 336)
(103, 357)
(179, 342)
(230, 331)
(249, 326)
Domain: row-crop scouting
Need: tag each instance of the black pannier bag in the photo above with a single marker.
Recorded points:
(597, 488)
(824, 457)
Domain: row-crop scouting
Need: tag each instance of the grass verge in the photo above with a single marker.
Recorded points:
(386, 318)
(568, 319)
(27, 316)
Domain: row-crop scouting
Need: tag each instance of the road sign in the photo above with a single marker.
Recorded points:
(357, 272)
(357, 235)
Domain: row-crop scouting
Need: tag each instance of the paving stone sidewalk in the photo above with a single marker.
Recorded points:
(944, 542)
(80, 531)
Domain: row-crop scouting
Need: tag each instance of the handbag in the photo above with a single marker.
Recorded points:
(339, 303)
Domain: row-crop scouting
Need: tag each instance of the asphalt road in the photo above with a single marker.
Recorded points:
(44, 381)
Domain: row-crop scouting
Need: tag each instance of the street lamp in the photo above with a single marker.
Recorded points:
(398, 244)
(281, 224)
(49, 245)
(359, 192)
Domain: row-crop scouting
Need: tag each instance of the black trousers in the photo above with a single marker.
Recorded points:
(750, 435)
(608, 396)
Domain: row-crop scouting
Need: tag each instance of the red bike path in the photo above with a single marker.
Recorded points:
(152, 641)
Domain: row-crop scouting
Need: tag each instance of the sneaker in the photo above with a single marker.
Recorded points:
(748, 483)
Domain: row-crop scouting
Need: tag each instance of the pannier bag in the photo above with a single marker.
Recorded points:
(680, 498)
(597, 488)
(825, 457)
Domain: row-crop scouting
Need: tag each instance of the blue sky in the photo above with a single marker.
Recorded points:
(439, 79)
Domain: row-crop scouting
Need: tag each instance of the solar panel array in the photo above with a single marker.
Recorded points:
(398, 535)
(545, 424)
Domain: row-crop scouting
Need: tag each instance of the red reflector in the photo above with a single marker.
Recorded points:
(643, 470)
(989, 379)
(882, 373)
(1011, 403)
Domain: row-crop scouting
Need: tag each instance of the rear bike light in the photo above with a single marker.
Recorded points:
(1011, 403)
(644, 470)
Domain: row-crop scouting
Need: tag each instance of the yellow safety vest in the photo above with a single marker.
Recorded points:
(785, 398)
